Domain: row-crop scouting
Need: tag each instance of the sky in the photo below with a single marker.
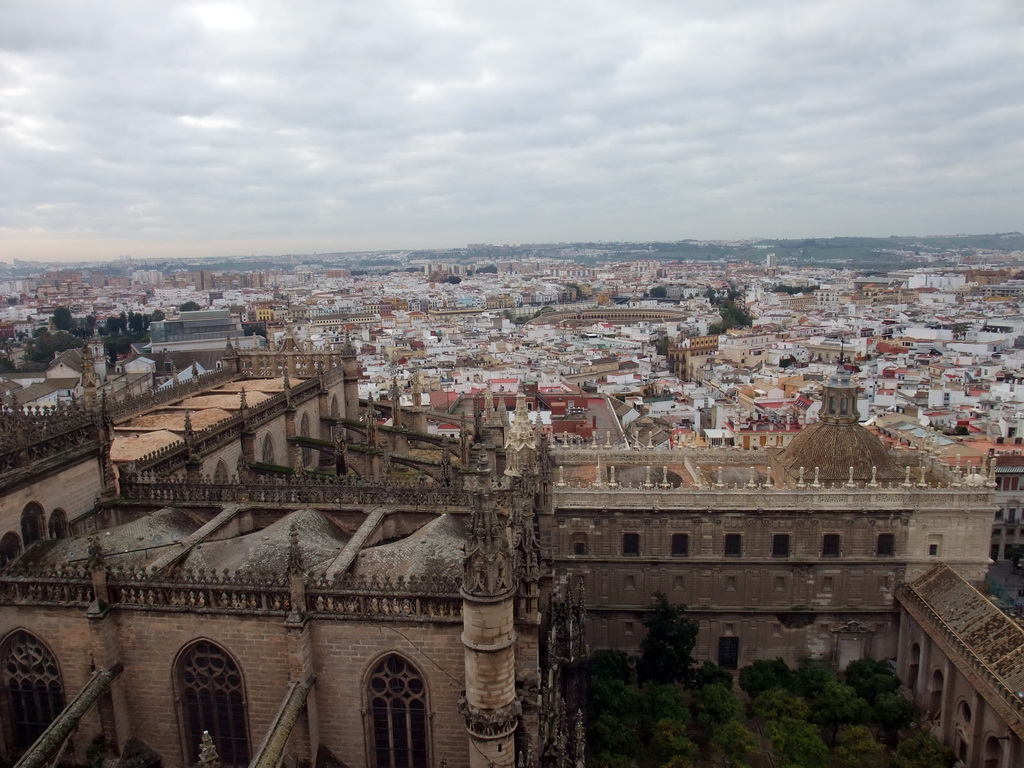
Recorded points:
(161, 128)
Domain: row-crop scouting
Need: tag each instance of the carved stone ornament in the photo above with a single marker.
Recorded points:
(851, 627)
(490, 723)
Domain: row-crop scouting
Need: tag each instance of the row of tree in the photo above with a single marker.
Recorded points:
(656, 710)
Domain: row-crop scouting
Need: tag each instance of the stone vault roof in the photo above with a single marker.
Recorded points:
(131, 544)
(436, 549)
(266, 550)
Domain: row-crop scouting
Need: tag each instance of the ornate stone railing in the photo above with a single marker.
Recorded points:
(201, 591)
(436, 599)
(294, 489)
(745, 497)
(32, 433)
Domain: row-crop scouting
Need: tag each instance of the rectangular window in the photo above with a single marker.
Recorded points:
(631, 544)
(1012, 518)
(933, 550)
(728, 652)
(733, 545)
(780, 545)
(886, 545)
(999, 514)
(826, 584)
(680, 545)
(830, 545)
(579, 544)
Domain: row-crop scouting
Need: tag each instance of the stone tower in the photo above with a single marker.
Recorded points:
(489, 705)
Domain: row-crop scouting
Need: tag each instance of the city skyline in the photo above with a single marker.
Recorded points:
(199, 129)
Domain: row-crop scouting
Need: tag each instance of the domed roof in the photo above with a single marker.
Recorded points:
(838, 442)
(834, 448)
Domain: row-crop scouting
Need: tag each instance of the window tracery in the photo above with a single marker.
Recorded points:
(212, 699)
(398, 711)
(33, 692)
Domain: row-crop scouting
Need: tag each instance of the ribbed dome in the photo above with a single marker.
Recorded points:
(834, 448)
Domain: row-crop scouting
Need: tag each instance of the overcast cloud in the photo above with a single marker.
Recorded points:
(166, 128)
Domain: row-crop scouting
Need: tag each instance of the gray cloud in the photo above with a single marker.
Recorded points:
(255, 127)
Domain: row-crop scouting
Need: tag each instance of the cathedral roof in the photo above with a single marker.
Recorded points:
(266, 550)
(436, 549)
(130, 545)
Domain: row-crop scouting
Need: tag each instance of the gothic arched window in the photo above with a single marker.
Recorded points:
(268, 450)
(220, 474)
(398, 711)
(58, 525)
(10, 547)
(212, 699)
(32, 528)
(307, 453)
(33, 694)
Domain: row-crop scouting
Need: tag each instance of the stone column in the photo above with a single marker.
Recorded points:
(489, 705)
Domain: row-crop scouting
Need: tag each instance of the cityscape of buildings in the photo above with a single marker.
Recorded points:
(338, 514)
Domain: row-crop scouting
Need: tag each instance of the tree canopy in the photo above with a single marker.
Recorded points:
(667, 649)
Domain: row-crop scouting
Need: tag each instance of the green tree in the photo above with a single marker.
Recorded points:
(670, 740)
(615, 709)
(453, 279)
(610, 665)
(735, 741)
(189, 306)
(869, 678)
(661, 701)
(668, 647)
(837, 705)
(62, 319)
(892, 712)
(44, 346)
(157, 316)
(796, 744)
(922, 750)
(857, 748)
(809, 681)
(777, 703)
(710, 673)
(715, 704)
(658, 292)
(765, 674)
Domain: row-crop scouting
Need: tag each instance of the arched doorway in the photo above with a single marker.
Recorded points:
(32, 524)
(993, 755)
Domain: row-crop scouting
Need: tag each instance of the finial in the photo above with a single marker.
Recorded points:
(242, 404)
(208, 757)
(874, 477)
(800, 479)
(817, 472)
(850, 483)
(294, 553)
